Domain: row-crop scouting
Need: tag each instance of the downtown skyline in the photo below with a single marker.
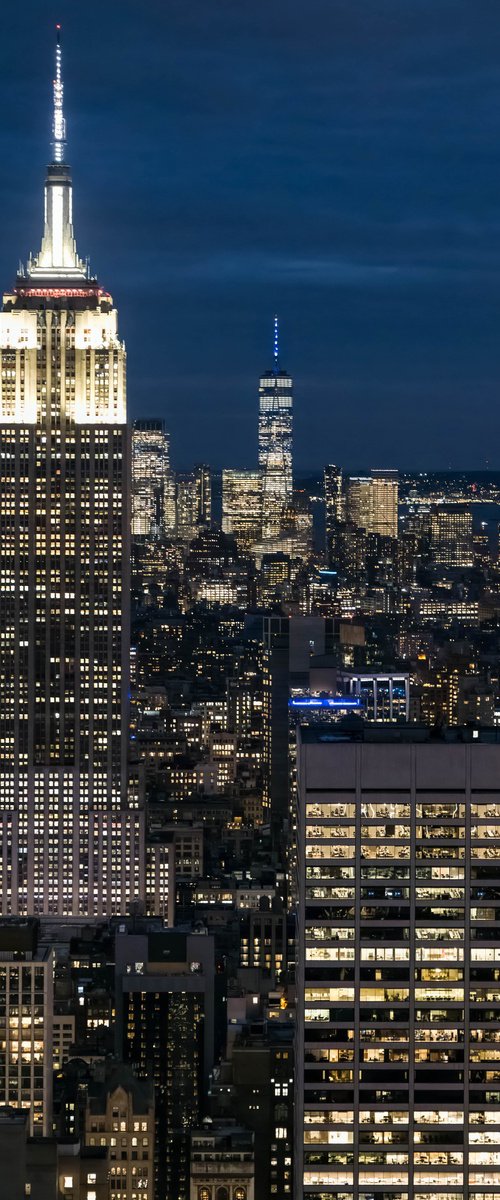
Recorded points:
(349, 188)
(249, 755)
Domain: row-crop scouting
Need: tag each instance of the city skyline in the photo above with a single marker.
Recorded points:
(225, 192)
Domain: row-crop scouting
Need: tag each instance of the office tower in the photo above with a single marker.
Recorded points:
(242, 506)
(152, 483)
(194, 502)
(274, 579)
(334, 509)
(72, 821)
(398, 949)
(372, 502)
(299, 526)
(275, 443)
(26, 988)
(451, 536)
(385, 489)
(359, 501)
(167, 996)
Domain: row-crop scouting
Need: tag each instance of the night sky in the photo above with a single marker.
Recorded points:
(336, 161)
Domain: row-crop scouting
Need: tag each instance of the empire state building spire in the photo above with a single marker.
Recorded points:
(59, 124)
(58, 258)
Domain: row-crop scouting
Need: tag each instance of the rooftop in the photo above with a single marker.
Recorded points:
(353, 729)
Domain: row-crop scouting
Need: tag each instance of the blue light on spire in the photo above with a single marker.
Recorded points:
(276, 340)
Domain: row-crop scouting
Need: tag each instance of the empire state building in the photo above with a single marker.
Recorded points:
(71, 811)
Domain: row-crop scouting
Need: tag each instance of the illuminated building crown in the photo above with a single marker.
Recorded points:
(58, 258)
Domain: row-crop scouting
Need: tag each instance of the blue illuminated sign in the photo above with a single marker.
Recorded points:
(325, 702)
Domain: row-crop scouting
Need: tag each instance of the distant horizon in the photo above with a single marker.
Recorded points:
(312, 472)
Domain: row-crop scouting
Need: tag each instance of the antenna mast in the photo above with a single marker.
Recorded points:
(59, 124)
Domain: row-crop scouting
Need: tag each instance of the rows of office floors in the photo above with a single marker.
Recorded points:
(399, 967)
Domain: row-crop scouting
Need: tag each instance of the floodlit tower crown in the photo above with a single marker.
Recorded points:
(58, 258)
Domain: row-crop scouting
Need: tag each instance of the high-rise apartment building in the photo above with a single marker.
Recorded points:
(242, 506)
(275, 444)
(153, 498)
(72, 825)
(398, 1089)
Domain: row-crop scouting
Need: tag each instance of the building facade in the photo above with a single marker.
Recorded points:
(166, 1001)
(26, 1012)
(72, 825)
(372, 502)
(451, 536)
(222, 1163)
(398, 950)
(334, 509)
(275, 444)
(153, 489)
(242, 506)
(120, 1115)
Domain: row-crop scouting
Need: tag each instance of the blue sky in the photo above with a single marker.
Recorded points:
(336, 161)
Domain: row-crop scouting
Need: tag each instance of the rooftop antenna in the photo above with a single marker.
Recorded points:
(276, 341)
(59, 124)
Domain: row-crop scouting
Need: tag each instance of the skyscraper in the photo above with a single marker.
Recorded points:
(359, 501)
(334, 508)
(193, 502)
(242, 506)
(72, 825)
(385, 489)
(372, 502)
(153, 489)
(275, 443)
(398, 1017)
(451, 536)
(203, 490)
